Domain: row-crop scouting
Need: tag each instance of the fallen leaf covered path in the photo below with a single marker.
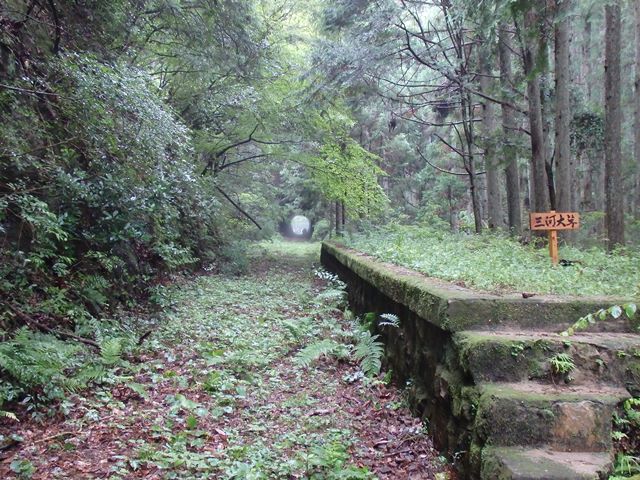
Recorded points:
(249, 377)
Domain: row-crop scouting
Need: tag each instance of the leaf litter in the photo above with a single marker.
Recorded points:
(219, 392)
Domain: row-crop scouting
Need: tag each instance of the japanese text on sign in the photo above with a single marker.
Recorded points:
(554, 221)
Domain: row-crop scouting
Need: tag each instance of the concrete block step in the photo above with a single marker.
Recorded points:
(540, 313)
(516, 356)
(533, 414)
(545, 463)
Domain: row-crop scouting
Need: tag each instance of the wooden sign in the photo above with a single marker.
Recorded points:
(554, 221)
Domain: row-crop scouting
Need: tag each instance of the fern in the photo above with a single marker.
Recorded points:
(562, 363)
(5, 414)
(88, 374)
(323, 348)
(369, 352)
(632, 410)
(333, 296)
(389, 320)
(34, 360)
(627, 464)
(92, 288)
(111, 350)
(298, 329)
(43, 367)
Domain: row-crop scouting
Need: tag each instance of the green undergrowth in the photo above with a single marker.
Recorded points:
(297, 252)
(39, 369)
(240, 381)
(625, 436)
(497, 263)
(252, 377)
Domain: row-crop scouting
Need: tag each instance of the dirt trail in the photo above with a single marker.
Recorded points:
(223, 390)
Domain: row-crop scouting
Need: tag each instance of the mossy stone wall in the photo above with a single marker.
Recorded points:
(439, 355)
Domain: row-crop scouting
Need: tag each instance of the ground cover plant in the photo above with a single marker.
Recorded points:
(249, 377)
(498, 263)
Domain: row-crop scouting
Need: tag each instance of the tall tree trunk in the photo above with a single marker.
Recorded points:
(332, 218)
(614, 214)
(339, 223)
(525, 185)
(544, 56)
(586, 59)
(452, 212)
(494, 202)
(540, 192)
(469, 159)
(563, 158)
(509, 126)
(636, 145)
(591, 188)
(462, 50)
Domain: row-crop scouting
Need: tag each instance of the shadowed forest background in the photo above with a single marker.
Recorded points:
(144, 139)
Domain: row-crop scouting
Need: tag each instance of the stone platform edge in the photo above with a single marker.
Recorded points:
(454, 308)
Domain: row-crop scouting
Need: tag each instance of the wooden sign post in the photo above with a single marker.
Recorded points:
(552, 222)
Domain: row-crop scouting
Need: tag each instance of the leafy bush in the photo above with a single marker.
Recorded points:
(90, 211)
(613, 312)
(235, 259)
(321, 230)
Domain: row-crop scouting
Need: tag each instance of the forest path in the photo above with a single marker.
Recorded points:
(226, 390)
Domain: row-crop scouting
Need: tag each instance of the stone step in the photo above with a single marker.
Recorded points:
(532, 414)
(478, 367)
(516, 356)
(514, 463)
(540, 313)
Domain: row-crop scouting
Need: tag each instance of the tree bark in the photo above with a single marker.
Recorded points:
(563, 158)
(467, 151)
(546, 94)
(452, 212)
(636, 145)
(494, 201)
(593, 176)
(587, 57)
(514, 212)
(540, 193)
(614, 214)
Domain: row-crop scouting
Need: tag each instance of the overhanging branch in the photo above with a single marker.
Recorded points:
(239, 208)
(461, 174)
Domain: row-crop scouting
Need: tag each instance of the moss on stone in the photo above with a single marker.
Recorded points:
(453, 308)
(511, 417)
(510, 463)
(632, 379)
(504, 391)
